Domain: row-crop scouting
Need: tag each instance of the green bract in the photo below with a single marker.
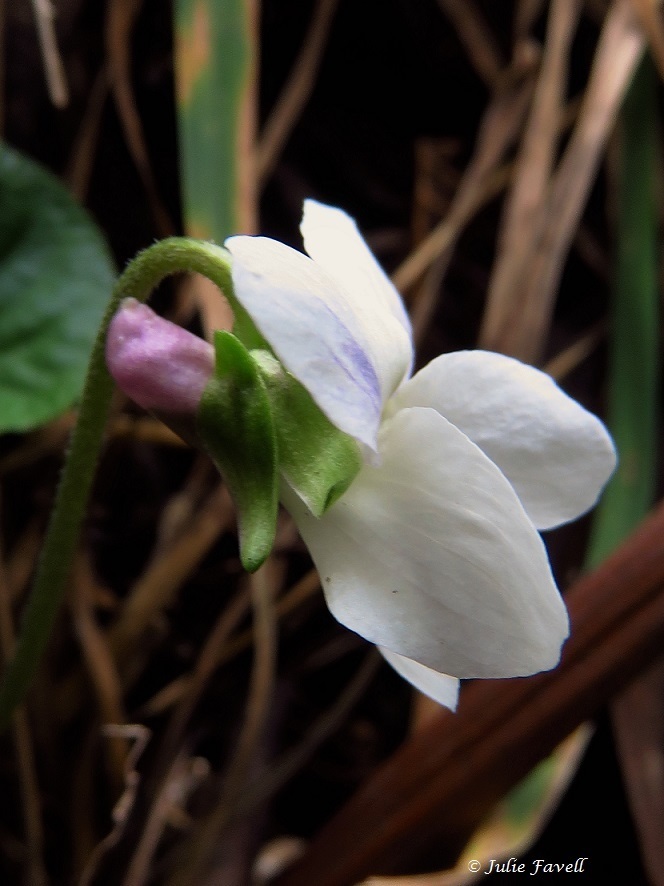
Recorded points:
(317, 459)
(236, 426)
(257, 423)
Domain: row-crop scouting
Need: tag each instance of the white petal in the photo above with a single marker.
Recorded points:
(305, 317)
(440, 687)
(431, 555)
(333, 241)
(556, 454)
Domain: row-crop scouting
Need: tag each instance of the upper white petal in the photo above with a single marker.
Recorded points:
(556, 454)
(440, 687)
(431, 555)
(305, 316)
(333, 241)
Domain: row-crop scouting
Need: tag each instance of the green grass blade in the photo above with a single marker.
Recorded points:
(634, 359)
(215, 60)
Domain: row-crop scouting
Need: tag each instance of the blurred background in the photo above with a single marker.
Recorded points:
(503, 160)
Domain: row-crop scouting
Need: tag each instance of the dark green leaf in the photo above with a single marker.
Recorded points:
(56, 277)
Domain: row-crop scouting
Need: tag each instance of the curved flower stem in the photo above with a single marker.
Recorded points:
(143, 274)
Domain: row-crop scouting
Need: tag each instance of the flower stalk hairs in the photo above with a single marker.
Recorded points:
(420, 497)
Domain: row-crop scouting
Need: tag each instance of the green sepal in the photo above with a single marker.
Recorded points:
(317, 459)
(237, 429)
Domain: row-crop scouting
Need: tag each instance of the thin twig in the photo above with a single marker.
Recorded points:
(439, 245)
(638, 728)
(174, 691)
(648, 13)
(81, 160)
(482, 179)
(161, 580)
(443, 237)
(183, 774)
(23, 749)
(100, 667)
(477, 39)
(169, 761)
(497, 131)
(56, 80)
(526, 14)
(180, 510)
(618, 52)
(567, 360)
(120, 18)
(139, 737)
(207, 663)
(296, 93)
(325, 726)
(21, 564)
(258, 702)
(527, 200)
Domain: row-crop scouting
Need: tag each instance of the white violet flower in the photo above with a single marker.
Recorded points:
(433, 551)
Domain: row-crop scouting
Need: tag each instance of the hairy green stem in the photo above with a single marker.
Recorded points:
(143, 274)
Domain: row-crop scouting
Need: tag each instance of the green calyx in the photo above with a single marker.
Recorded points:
(258, 423)
(236, 427)
(255, 420)
(317, 459)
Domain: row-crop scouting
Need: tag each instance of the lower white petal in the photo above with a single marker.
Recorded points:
(431, 555)
(440, 687)
(556, 454)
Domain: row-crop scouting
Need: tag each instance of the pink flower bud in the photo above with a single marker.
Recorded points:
(158, 364)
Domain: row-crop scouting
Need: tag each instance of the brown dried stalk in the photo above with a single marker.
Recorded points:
(121, 16)
(296, 93)
(482, 180)
(161, 580)
(56, 80)
(518, 320)
(195, 859)
(26, 769)
(478, 41)
(527, 203)
(638, 728)
(438, 786)
(649, 16)
(100, 667)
